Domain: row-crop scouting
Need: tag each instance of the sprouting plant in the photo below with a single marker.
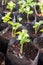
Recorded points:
(24, 6)
(15, 26)
(27, 2)
(25, 9)
(31, 2)
(41, 30)
(41, 7)
(7, 17)
(11, 5)
(28, 11)
(37, 25)
(23, 37)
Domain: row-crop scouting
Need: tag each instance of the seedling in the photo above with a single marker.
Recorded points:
(28, 11)
(25, 9)
(15, 26)
(11, 5)
(41, 7)
(23, 37)
(7, 17)
(25, 6)
(37, 25)
(27, 2)
(31, 2)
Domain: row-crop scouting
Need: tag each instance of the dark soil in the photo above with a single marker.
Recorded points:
(41, 42)
(2, 58)
(29, 52)
(7, 35)
(7, 61)
(31, 18)
(3, 26)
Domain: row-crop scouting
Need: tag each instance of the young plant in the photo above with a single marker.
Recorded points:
(37, 25)
(7, 17)
(28, 11)
(23, 37)
(41, 7)
(15, 26)
(11, 5)
(27, 2)
(31, 2)
(25, 6)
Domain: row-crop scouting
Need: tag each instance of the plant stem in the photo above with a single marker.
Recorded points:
(2, 2)
(5, 2)
(35, 31)
(27, 18)
(21, 49)
(13, 32)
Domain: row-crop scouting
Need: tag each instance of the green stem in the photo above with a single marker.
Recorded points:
(2, 2)
(13, 32)
(27, 18)
(35, 31)
(5, 2)
(21, 49)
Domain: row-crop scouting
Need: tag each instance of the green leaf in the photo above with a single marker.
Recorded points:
(41, 7)
(11, 5)
(15, 25)
(41, 30)
(23, 36)
(37, 25)
(40, 22)
(20, 19)
(11, 23)
(7, 17)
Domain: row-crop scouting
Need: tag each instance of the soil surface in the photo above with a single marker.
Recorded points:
(7, 35)
(3, 26)
(2, 59)
(29, 53)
